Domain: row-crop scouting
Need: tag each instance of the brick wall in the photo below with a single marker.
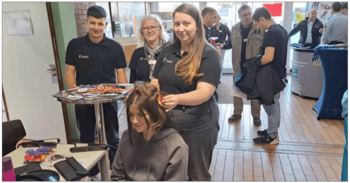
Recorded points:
(80, 10)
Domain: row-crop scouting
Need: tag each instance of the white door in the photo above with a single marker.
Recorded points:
(27, 87)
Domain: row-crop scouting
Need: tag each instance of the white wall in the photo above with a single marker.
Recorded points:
(27, 87)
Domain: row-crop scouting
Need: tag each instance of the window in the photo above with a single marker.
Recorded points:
(227, 12)
(108, 31)
(298, 8)
(171, 6)
(126, 18)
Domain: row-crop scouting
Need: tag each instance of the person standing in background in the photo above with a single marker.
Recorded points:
(222, 32)
(152, 37)
(96, 59)
(310, 30)
(245, 43)
(336, 28)
(209, 16)
(274, 46)
(344, 8)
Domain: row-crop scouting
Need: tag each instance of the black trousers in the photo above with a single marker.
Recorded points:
(199, 127)
(216, 96)
(86, 120)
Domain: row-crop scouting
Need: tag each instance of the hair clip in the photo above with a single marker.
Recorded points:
(160, 100)
(126, 98)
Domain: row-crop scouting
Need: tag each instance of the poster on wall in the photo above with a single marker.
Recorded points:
(18, 23)
(130, 15)
(323, 10)
(299, 14)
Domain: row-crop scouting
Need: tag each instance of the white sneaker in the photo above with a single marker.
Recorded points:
(94, 178)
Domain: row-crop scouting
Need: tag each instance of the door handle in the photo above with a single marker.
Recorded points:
(51, 69)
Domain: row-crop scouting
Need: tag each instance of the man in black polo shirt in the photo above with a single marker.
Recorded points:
(275, 46)
(209, 17)
(95, 59)
(222, 32)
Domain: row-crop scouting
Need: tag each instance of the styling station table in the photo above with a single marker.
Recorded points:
(307, 76)
(335, 76)
(98, 102)
(88, 159)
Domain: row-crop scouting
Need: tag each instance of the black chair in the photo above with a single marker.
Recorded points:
(12, 132)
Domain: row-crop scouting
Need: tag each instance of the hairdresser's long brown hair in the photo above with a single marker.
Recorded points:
(145, 98)
(188, 66)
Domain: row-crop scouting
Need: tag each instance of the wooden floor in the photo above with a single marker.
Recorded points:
(309, 149)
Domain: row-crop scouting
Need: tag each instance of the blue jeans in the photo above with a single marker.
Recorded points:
(86, 120)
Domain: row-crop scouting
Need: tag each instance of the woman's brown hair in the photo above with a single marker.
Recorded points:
(188, 66)
(145, 98)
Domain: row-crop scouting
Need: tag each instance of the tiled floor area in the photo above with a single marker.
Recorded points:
(309, 149)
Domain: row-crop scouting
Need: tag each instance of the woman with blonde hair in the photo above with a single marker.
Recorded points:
(188, 70)
(152, 39)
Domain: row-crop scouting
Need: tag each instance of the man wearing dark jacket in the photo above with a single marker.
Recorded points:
(274, 45)
(310, 30)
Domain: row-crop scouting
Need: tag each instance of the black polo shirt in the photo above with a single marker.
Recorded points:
(164, 69)
(222, 33)
(139, 67)
(95, 63)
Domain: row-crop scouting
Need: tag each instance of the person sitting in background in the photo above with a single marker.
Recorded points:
(152, 38)
(310, 30)
(336, 28)
(222, 32)
(344, 8)
(148, 150)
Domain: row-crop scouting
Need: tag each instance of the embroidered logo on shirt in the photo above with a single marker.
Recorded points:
(83, 56)
(168, 61)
